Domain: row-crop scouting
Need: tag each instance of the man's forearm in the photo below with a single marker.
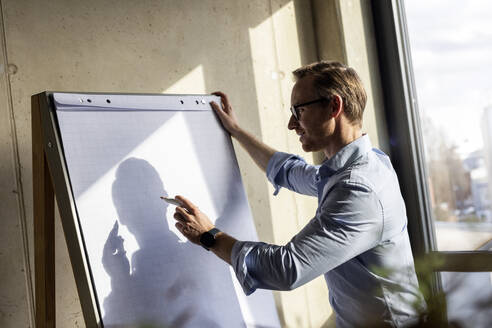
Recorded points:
(223, 246)
(259, 151)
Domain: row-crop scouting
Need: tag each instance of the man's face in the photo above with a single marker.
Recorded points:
(315, 126)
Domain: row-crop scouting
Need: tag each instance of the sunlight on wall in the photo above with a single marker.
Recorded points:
(275, 51)
(268, 73)
(191, 83)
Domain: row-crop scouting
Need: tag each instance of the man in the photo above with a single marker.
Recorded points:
(357, 238)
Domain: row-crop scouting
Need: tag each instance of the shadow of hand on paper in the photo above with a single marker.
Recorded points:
(114, 258)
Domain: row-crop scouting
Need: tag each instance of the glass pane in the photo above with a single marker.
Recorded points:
(451, 47)
(468, 298)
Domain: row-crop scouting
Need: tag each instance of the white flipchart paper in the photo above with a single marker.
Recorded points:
(122, 153)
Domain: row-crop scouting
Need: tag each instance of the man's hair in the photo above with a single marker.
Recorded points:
(334, 78)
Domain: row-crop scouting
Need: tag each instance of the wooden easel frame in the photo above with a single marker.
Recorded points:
(50, 178)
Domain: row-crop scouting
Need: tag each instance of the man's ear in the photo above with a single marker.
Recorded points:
(337, 106)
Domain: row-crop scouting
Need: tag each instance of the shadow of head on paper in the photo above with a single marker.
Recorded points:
(136, 191)
(162, 283)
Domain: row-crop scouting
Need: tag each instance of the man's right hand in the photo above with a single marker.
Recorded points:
(226, 114)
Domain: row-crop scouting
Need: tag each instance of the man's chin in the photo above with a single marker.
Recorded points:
(306, 147)
(309, 148)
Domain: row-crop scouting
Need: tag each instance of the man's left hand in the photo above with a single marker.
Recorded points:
(191, 221)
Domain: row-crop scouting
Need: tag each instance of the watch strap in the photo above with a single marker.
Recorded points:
(206, 237)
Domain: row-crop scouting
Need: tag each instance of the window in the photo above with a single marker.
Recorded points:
(435, 60)
(451, 50)
(468, 296)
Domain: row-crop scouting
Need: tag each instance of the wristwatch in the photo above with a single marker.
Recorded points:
(207, 239)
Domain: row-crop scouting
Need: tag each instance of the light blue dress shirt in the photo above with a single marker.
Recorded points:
(357, 239)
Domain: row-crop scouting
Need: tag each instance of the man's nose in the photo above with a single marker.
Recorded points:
(292, 123)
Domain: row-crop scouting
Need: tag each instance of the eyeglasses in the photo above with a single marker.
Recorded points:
(295, 108)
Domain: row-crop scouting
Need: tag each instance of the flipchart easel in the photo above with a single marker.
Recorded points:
(48, 168)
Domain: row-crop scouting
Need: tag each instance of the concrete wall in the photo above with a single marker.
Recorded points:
(245, 48)
(345, 32)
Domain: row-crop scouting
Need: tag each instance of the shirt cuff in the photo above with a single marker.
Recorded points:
(240, 251)
(275, 164)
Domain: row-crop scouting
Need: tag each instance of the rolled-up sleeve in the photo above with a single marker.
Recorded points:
(348, 224)
(292, 172)
(240, 251)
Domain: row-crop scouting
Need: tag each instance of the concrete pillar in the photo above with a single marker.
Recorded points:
(344, 32)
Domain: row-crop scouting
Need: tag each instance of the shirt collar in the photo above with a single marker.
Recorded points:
(345, 156)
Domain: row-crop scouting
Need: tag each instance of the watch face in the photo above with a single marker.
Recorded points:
(207, 239)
